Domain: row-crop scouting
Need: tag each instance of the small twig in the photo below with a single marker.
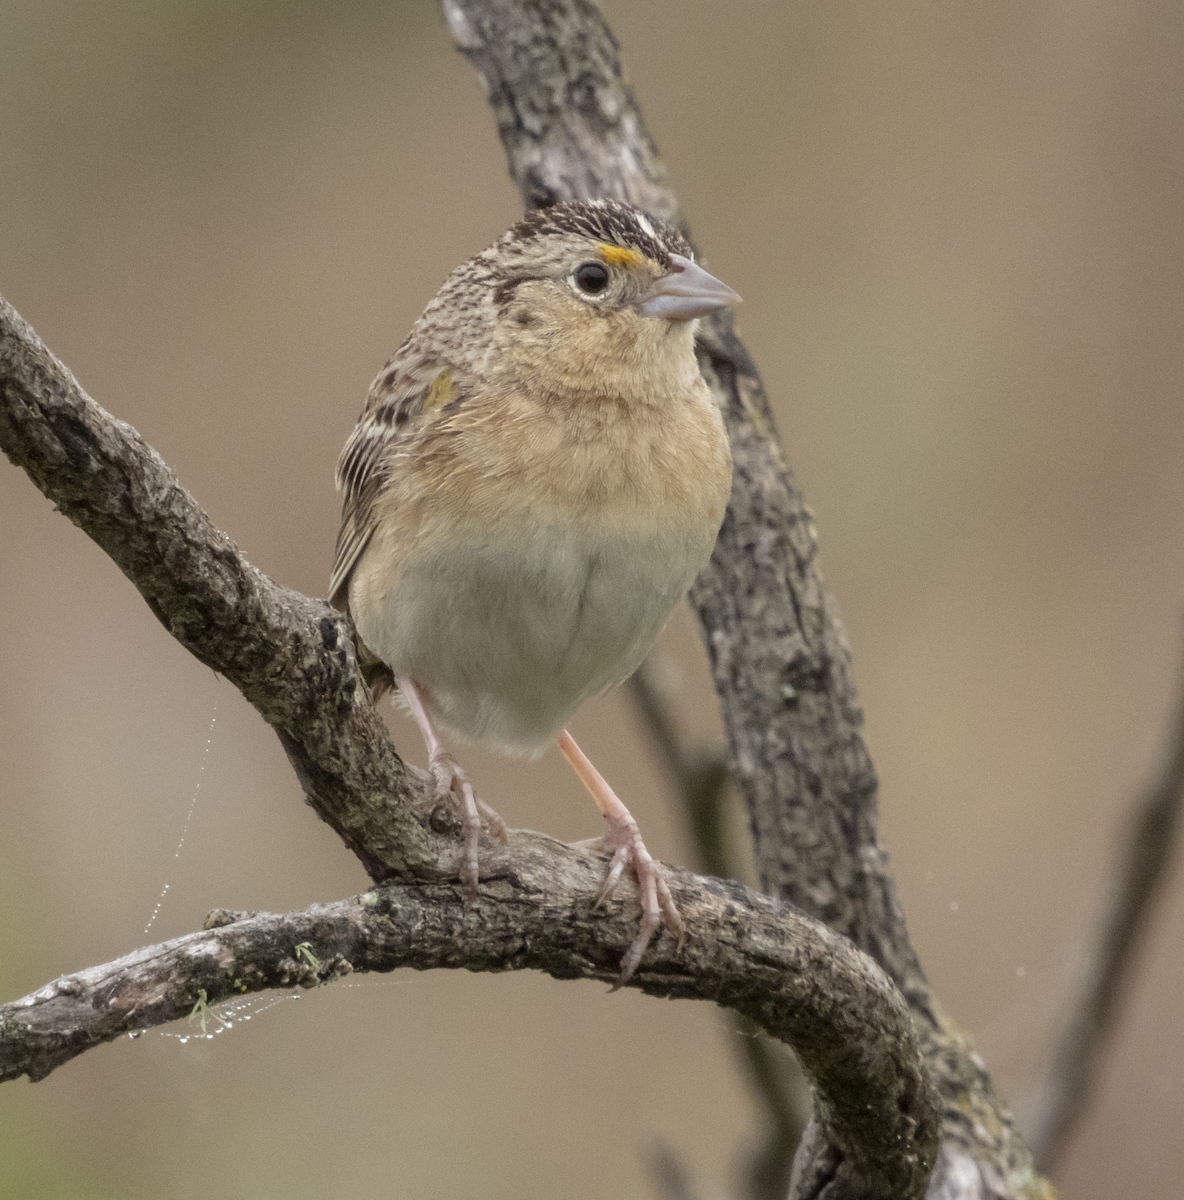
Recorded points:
(1144, 866)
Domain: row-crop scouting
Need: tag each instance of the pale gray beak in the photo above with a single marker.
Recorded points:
(687, 292)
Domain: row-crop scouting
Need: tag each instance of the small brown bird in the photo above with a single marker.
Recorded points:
(537, 477)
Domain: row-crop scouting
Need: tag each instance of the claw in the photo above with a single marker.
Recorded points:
(657, 904)
(497, 827)
(452, 781)
(616, 869)
(628, 850)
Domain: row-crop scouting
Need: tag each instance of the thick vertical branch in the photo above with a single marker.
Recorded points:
(782, 668)
(571, 128)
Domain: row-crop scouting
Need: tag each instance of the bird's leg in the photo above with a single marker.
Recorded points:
(624, 839)
(451, 780)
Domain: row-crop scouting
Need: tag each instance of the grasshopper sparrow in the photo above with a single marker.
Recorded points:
(537, 477)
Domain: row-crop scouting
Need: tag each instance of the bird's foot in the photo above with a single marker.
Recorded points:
(451, 780)
(623, 842)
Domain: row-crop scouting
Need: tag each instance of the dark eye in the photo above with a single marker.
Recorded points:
(592, 278)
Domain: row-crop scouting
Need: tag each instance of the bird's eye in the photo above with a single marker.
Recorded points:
(592, 277)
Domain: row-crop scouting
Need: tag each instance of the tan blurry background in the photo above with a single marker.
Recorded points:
(957, 231)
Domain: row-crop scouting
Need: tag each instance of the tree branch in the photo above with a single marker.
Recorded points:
(796, 978)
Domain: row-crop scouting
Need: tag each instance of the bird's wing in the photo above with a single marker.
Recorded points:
(410, 391)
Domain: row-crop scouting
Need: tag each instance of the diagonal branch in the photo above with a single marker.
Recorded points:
(291, 656)
(1150, 846)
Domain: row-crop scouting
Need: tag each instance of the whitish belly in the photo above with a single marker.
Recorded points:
(510, 635)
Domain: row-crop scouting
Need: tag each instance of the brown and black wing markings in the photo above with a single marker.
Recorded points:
(408, 393)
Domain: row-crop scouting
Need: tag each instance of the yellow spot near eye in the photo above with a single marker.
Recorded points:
(440, 393)
(618, 256)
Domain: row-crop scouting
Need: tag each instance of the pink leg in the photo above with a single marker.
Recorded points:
(451, 780)
(624, 838)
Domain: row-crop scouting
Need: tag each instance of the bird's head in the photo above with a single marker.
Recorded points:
(599, 294)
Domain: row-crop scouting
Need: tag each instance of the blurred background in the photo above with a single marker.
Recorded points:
(957, 232)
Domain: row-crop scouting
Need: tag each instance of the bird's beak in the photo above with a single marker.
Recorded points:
(687, 292)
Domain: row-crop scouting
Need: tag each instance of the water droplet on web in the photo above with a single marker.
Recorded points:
(205, 754)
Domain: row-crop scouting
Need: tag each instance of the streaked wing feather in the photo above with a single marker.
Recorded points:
(356, 528)
(408, 390)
